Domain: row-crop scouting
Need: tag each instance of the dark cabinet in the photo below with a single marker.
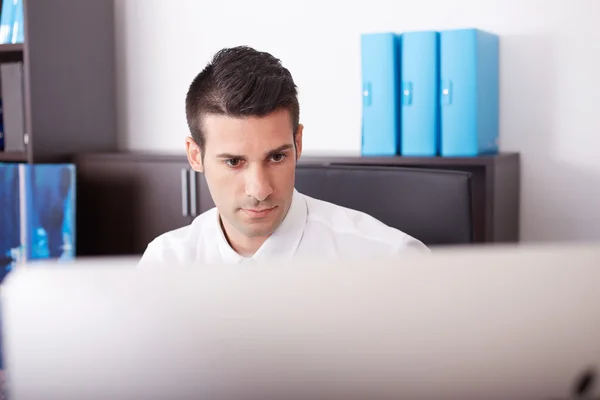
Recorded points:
(496, 187)
(126, 200)
(123, 202)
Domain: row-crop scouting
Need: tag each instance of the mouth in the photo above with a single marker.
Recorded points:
(258, 213)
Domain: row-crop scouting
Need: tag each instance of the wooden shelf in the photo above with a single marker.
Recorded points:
(13, 156)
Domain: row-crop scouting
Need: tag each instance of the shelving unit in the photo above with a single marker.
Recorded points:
(69, 88)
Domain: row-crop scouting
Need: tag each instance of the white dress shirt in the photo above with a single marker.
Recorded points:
(312, 228)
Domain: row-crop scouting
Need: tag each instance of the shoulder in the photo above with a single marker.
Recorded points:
(357, 226)
(181, 244)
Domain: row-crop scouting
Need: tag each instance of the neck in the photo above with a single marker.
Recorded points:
(243, 245)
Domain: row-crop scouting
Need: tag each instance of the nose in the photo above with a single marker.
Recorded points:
(258, 184)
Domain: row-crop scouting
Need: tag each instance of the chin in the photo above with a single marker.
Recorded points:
(259, 229)
(258, 233)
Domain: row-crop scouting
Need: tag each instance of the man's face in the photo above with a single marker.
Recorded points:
(249, 165)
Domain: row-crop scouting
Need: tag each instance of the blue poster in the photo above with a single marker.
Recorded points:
(50, 205)
(37, 213)
(10, 232)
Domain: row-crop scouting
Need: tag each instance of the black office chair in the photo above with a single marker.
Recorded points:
(431, 205)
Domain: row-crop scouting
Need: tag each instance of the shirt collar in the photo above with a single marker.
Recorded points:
(281, 245)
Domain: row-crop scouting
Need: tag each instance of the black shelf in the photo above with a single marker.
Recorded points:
(13, 156)
(479, 161)
(11, 52)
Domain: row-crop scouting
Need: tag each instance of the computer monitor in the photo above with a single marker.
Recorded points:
(478, 323)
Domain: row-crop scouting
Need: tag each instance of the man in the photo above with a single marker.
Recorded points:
(243, 114)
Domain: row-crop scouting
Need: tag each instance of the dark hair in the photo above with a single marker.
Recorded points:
(240, 81)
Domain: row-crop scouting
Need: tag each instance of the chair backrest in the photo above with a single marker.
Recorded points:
(431, 205)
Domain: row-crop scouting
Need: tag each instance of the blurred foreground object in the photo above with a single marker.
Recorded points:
(494, 323)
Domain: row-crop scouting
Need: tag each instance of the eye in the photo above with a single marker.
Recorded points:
(279, 157)
(233, 162)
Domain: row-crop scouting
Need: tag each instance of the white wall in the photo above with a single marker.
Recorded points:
(550, 73)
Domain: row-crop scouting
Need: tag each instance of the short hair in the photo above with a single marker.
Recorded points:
(240, 81)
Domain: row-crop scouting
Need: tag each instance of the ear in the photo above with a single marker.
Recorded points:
(194, 154)
(298, 141)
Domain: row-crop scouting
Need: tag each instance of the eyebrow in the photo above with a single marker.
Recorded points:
(279, 149)
(269, 154)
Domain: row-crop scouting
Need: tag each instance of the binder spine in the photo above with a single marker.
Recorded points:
(488, 95)
(420, 89)
(458, 93)
(469, 95)
(380, 62)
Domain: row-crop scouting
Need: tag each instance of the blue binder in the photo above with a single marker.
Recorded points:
(469, 92)
(420, 94)
(380, 61)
